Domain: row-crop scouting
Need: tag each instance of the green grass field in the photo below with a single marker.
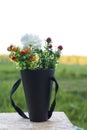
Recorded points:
(71, 98)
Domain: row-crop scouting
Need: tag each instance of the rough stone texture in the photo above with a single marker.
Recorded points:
(12, 121)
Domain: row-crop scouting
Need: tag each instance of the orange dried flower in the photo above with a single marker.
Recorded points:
(27, 50)
(23, 52)
(10, 48)
(14, 48)
(14, 58)
(31, 58)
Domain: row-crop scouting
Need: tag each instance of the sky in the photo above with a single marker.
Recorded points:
(65, 21)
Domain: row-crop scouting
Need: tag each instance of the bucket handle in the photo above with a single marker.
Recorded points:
(19, 111)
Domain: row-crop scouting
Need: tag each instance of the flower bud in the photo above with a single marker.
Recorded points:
(27, 50)
(23, 52)
(14, 58)
(10, 48)
(14, 48)
(51, 52)
(60, 47)
(50, 46)
(48, 40)
(31, 58)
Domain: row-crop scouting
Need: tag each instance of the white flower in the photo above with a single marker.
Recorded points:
(31, 40)
(58, 52)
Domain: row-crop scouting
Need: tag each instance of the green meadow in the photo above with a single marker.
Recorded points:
(71, 97)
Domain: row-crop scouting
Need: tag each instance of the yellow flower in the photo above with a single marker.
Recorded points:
(37, 57)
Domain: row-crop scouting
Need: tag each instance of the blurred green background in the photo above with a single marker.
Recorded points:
(72, 95)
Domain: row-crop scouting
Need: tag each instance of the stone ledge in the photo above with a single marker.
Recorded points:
(12, 121)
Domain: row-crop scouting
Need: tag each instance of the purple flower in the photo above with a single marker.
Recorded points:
(50, 46)
(51, 52)
(48, 40)
(60, 47)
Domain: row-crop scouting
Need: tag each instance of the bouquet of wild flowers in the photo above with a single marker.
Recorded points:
(32, 56)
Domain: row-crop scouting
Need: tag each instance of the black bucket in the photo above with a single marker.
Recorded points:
(37, 86)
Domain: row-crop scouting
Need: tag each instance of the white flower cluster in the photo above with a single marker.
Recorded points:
(31, 40)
